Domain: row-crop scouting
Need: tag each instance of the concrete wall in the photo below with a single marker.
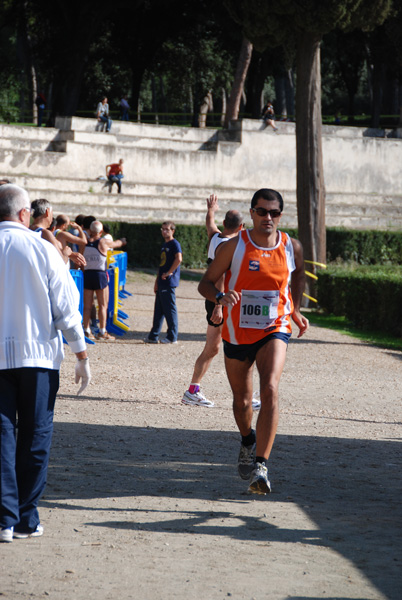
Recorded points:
(169, 171)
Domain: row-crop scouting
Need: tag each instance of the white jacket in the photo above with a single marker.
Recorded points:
(38, 301)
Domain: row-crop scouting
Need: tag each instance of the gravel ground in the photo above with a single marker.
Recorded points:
(144, 501)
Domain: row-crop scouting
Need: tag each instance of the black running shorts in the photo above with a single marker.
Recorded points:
(249, 351)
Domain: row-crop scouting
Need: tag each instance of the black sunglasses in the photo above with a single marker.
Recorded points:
(263, 212)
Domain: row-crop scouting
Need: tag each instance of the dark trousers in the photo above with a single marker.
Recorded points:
(165, 308)
(28, 394)
(115, 179)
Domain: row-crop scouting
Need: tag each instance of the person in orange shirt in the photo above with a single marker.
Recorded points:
(264, 283)
(114, 173)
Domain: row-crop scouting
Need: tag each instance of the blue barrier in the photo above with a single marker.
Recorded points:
(78, 278)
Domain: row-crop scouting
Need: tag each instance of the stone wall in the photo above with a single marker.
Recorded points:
(169, 171)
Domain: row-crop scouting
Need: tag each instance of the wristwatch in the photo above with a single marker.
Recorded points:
(219, 297)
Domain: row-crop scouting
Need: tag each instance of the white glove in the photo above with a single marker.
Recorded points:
(83, 372)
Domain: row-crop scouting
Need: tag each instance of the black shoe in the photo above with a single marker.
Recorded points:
(246, 461)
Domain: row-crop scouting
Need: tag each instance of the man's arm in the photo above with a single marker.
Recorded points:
(49, 237)
(212, 207)
(107, 170)
(218, 267)
(70, 238)
(176, 263)
(297, 287)
(105, 245)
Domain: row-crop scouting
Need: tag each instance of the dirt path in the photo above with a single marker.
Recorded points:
(143, 498)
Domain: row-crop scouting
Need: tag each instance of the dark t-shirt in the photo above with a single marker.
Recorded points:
(168, 254)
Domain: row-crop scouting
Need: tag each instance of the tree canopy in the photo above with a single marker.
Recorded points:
(300, 26)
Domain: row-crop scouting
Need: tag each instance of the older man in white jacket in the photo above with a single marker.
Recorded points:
(38, 304)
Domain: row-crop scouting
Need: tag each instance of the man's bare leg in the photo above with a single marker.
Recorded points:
(211, 349)
(240, 375)
(193, 395)
(270, 361)
(103, 296)
(88, 302)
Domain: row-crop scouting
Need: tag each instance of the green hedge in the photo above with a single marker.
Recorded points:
(364, 247)
(144, 241)
(370, 297)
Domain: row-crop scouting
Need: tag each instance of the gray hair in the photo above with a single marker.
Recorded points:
(96, 227)
(12, 199)
(40, 207)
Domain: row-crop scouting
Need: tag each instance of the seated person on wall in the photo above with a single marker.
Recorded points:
(268, 115)
(102, 114)
(114, 173)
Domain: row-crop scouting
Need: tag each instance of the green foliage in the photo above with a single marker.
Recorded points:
(9, 98)
(370, 297)
(270, 23)
(364, 247)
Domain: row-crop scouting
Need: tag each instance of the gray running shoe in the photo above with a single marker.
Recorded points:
(197, 399)
(259, 482)
(246, 461)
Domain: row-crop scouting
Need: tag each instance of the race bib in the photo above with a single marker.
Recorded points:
(258, 309)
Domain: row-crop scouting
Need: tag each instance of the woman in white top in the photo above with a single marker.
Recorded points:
(102, 114)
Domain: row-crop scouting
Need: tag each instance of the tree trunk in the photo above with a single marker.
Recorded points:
(290, 93)
(34, 88)
(154, 99)
(378, 86)
(310, 173)
(223, 113)
(280, 94)
(206, 106)
(238, 84)
(24, 53)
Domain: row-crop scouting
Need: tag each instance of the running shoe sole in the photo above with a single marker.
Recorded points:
(260, 486)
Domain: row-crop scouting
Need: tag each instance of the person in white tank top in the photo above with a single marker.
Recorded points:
(232, 224)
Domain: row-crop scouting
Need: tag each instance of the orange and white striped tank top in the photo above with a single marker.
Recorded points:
(262, 275)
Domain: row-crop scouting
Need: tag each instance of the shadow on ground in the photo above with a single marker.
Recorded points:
(350, 488)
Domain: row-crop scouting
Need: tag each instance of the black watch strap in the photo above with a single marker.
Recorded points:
(219, 297)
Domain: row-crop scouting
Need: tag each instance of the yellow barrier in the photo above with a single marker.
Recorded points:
(309, 274)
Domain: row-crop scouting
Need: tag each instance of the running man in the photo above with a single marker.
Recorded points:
(258, 302)
(232, 224)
